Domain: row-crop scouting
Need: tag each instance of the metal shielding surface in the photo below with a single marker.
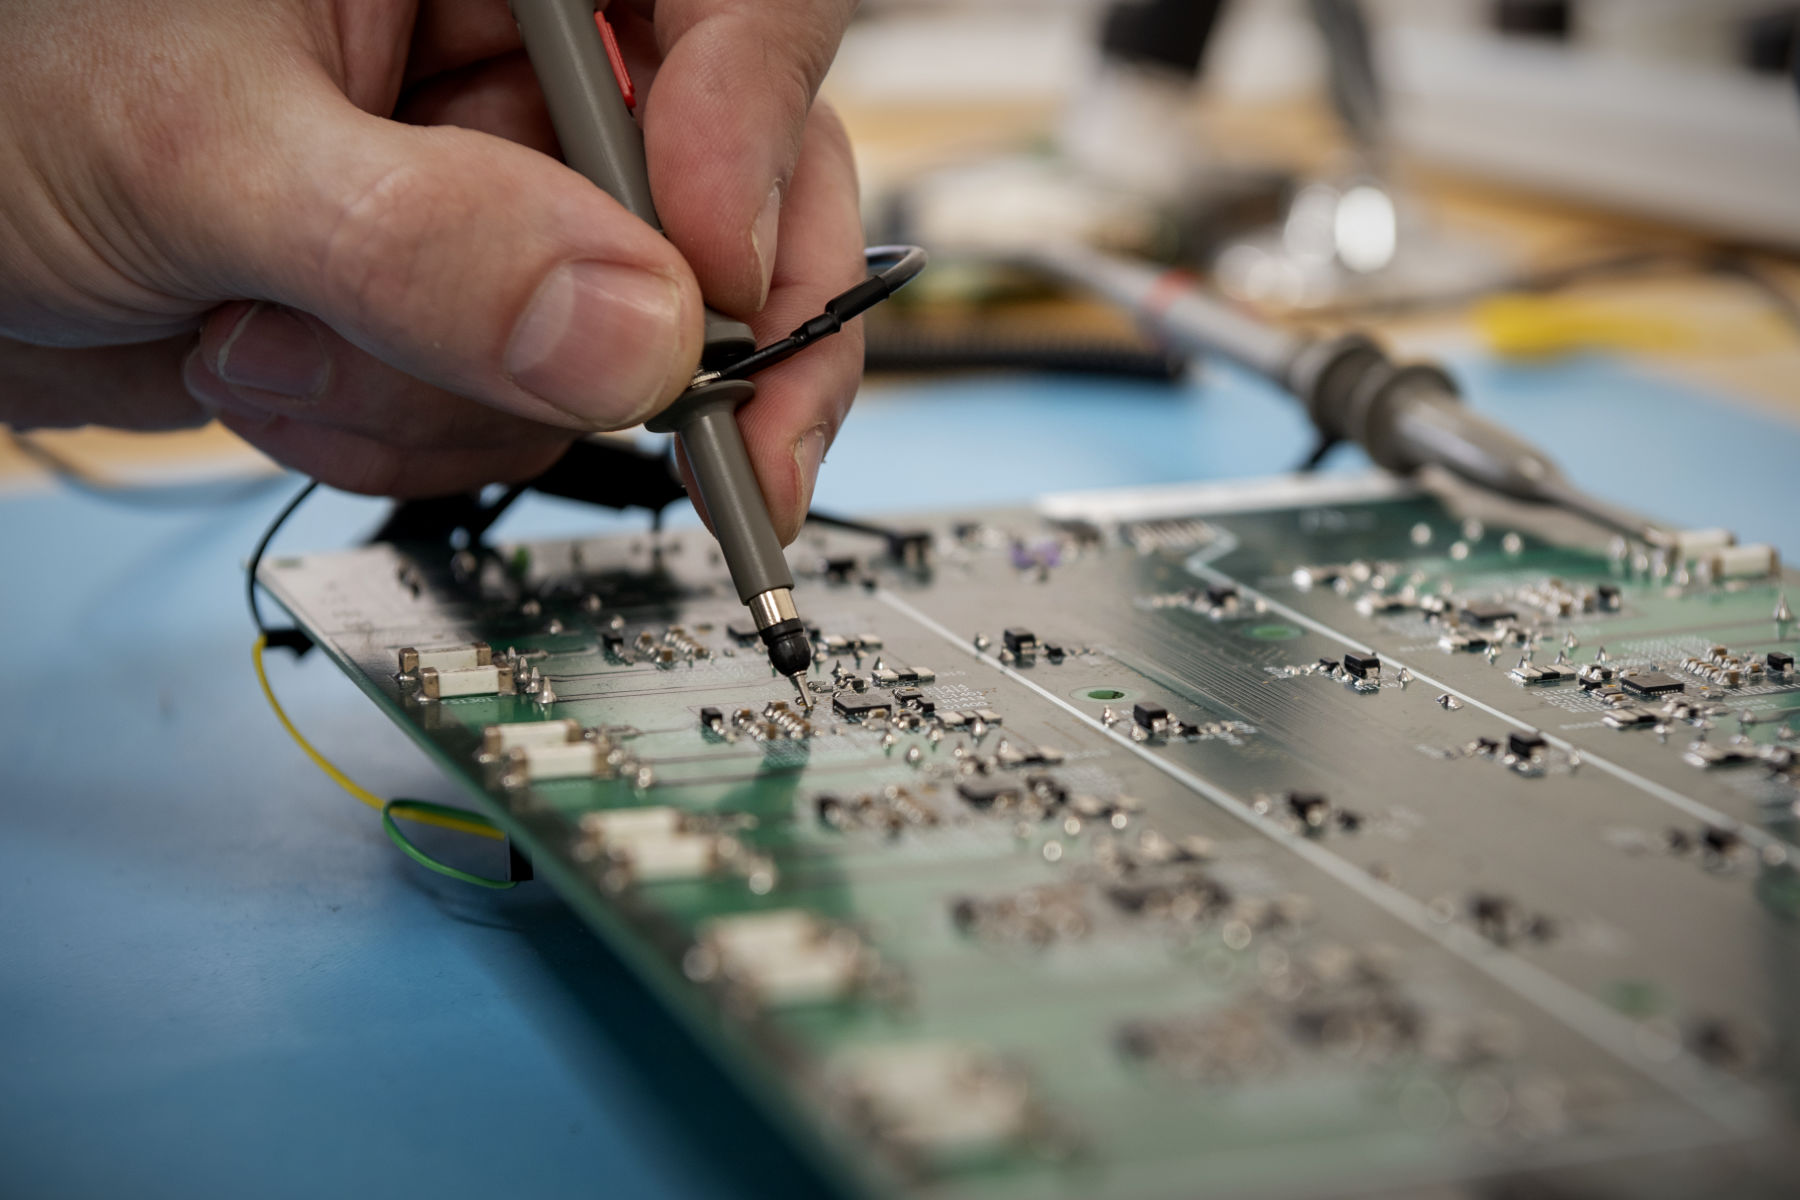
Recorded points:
(1572, 959)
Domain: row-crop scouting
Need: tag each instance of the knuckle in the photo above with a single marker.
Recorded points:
(375, 262)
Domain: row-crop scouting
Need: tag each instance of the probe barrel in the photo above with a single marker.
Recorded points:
(601, 140)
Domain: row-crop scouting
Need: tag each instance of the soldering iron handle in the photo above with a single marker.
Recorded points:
(1405, 416)
(1426, 425)
(1410, 416)
(1168, 305)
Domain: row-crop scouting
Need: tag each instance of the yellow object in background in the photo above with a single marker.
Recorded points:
(1532, 326)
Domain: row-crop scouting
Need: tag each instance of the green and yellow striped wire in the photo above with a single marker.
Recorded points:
(422, 812)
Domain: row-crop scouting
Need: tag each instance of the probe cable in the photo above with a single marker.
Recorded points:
(892, 267)
(422, 812)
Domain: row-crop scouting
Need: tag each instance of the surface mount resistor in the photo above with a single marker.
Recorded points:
(562, 760)
(943, 1100)
(786, 956)
(498, 739)
(1743, 562)
(653, 843)
(448, 683)
(1691, 543)
(445, 658)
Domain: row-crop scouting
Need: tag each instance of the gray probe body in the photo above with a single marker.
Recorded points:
(601, 141)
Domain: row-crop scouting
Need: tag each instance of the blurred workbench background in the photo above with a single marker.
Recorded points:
(925, 86)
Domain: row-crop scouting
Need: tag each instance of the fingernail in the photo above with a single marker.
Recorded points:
(763, 235)
(600, 342)
(273, 350)
(211, 393)
(809, 453)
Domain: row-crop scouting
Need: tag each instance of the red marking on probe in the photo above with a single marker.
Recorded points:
(1167, 288)
(617, 60)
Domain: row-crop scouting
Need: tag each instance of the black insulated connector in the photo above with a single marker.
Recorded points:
(790, 650)
(518, 867)
(859, 299)
(290, 639)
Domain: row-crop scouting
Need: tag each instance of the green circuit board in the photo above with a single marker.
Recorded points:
(1309, 838)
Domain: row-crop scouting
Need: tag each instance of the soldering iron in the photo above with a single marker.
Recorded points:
(1406, 416)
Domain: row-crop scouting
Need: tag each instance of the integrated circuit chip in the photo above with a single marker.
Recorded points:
(1652, 683)
(1487, 614)
(1020, 641)
(863, 704)
(1148, 714)
(1525, 745)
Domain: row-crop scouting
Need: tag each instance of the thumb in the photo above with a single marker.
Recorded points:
(475, 264)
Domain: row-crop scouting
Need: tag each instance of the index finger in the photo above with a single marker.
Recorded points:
(723, 125)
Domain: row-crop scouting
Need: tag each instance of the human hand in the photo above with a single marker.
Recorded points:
(334, 226)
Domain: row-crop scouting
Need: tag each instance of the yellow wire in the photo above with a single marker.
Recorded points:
(473, 824)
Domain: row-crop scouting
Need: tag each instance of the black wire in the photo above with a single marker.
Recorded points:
(908, 547)
(169, 497)
(291, 638)
(902, 264)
